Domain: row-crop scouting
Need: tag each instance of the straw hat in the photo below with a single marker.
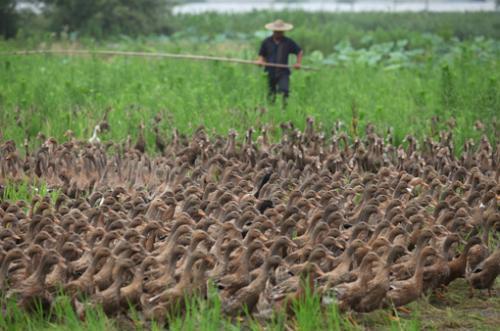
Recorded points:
(279, 25)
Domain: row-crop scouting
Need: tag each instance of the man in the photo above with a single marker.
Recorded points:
(275, 49)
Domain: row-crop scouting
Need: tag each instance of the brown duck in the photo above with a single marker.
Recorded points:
(33, 290)
(405, 291)
(484, 275)
(248, 296)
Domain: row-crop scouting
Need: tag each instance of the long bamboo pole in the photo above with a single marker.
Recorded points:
(156, 55)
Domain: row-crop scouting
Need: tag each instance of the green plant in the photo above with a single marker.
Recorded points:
(26, 190)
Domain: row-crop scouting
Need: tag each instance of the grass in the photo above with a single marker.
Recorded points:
(52, 94)
(26, 190)
(62, 317)
(457, 311)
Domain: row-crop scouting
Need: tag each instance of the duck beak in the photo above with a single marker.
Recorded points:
(263, 238)
(339, 246)
(330, 258)
(155, 298)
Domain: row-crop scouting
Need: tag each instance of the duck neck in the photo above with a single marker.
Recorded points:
(421, 242)
(5, 267)
(150, 241)
(119, 279)
(138, 276)
(394, 233)
(463, 257)
(317, 232)
(312, 224)
(42, 271)
(259, 282)
(391, 258)
(278, 249)
(245, 266)
(446, 247)
(172, 262)
(376, 233)
(419, 273)
(91, 268)
(106, 240)
(364, 269)
(194, 243)
(225, 260)
(218, 243)
(188, 271)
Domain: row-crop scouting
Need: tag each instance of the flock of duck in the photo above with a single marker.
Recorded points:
(361, 222)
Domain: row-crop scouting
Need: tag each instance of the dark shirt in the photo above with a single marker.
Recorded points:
(274, 52)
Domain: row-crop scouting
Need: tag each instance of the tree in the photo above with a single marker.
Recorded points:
(100, 18)
(8, 18)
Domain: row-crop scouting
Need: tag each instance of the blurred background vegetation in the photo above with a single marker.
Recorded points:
(96, 18)
(108, 19)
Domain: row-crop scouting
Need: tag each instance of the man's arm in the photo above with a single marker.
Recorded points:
(295, 49)
(261, 61)
(299, 60)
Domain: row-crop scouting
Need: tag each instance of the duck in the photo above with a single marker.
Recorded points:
(133, 227)
(343, 265)
(94, 140)
(109, 299)
(8, 277)
(131, 293)
(405, 269)
(241, 277)
(166, 277)
(438, 273)
(485, 274)
(173, 299)
(296, 288)
(375, 289)
(458, 265)
(84, 284)
(32, 291)
(248, 296)
(140, 145)
(350, 293)
(405, 291)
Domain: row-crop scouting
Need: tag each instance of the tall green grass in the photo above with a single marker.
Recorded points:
(52, 94)
(61, 317)
(199, 314)
(26, 190)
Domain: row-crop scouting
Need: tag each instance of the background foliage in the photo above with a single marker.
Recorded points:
(96, 18)
(8, 18)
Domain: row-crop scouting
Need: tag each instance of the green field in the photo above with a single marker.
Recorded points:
(402, 83)
(412, 73)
